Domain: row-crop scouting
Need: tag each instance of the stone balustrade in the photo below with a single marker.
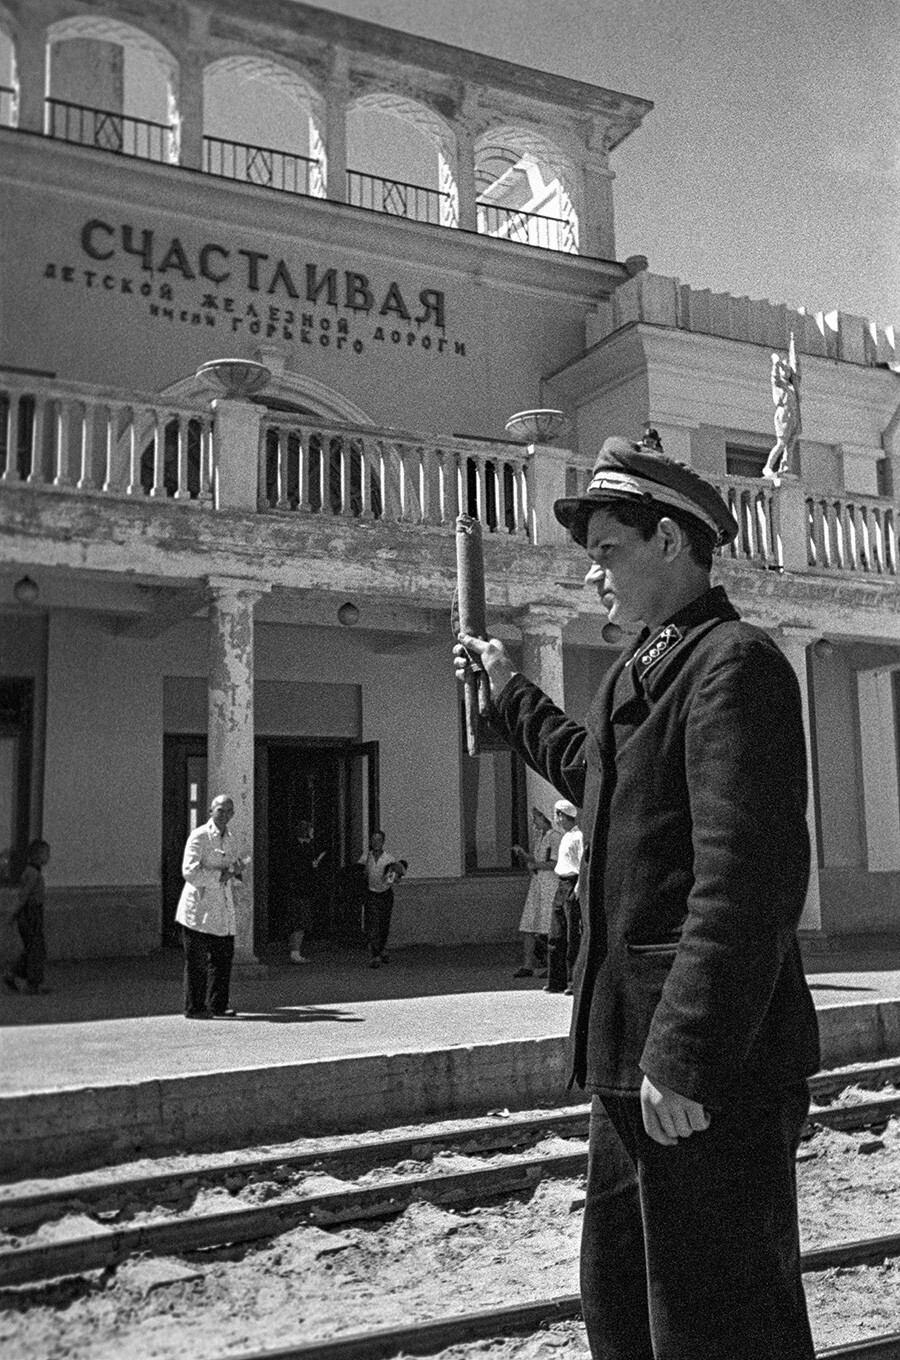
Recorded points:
(63, 436)
(661, 301)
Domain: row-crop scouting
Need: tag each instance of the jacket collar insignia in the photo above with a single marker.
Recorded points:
(654, 648)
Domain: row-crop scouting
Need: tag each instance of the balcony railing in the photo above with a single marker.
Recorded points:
(67, 436)
(7, 104)
(73, 437)
(529, 229)
(400, 199)
(307, 467)
(109, 131)
(261, 165)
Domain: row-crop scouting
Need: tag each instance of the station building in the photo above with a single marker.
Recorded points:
(236, 576)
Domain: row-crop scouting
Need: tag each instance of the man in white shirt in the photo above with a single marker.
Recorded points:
(565, 922)
(206, 913)
(382, 872)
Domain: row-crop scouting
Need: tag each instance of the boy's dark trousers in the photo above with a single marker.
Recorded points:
(30, 964)
(377, 910)
(565, 935)
(207, 971)
(692, 1252)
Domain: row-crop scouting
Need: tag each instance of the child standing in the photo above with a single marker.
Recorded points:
(29, 917)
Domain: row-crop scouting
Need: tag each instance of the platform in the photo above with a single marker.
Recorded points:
(107, 1067)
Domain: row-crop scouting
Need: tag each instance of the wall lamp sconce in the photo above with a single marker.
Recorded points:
(26, 591)
(823, 649)
(348, 615)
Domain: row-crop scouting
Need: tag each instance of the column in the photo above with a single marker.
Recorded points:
(466, 187)
(542, 663)
(190, 109)
(597, 231)
(794, 642)
(878, 753)
(332, 139)
(31, 75)
(230, 747)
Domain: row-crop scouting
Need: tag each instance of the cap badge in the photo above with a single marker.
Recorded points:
(657, 647)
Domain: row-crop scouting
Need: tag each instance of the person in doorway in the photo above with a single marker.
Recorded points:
(565, 916)
(29, 919)
(206, 913)
(536, 913)
(382, 872)
(693, 1027)
(305, 889)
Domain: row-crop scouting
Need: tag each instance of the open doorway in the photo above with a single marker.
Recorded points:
(334, 785)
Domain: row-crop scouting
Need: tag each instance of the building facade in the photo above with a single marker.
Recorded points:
(236, 576)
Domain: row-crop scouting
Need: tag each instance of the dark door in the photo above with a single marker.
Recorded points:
(335, 788)
(16, 707)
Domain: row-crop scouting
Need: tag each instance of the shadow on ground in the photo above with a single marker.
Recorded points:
(275, 991)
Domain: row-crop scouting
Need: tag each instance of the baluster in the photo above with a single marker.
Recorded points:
(819, 552)
(418, 508)
(182, 490)
(207, 458)
(847, 521)
(450, 484)
(303, 450)
(108, 481)
(133, 465)
(282, 442)
(875, 535)
(11, 470)
(158, 487)
(399, 463)
(380, 494)
(61, 471)
(515, 498)
(365, 484)
(431, 485)
(36, 470)
(344, 508)
(262, 468)
(890, 543)
(502, 499)
(86, 453)
(480, 507)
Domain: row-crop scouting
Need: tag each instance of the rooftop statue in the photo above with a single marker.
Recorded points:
(785, 455)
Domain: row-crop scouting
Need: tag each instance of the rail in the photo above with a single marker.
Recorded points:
(528, 228)
(354, 472)
(110, 131)
(58, 435)
(267, 166)
(399, 198)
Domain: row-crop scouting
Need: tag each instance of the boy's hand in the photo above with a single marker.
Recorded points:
(471, 654)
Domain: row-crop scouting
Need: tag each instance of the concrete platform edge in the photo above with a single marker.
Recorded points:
(43, 1131)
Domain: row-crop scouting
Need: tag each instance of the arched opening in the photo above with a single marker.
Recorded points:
(525, 188)
(113, 87)
(262, 125)
(410, 157)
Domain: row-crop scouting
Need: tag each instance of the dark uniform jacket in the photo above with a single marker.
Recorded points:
(691, 773)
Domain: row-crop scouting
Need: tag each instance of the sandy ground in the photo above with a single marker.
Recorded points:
(428, 1262)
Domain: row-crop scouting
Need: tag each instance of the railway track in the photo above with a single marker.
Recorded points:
(292, 1177)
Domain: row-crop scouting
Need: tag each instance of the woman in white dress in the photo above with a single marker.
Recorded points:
(535, 922)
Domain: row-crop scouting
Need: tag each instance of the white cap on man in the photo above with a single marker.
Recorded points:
(566, 808)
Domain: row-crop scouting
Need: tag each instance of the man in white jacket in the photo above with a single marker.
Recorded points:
(206, 913)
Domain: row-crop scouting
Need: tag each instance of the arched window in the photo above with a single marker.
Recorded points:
(262, 124)
(409, 154)
(114, 87)
(525, 190)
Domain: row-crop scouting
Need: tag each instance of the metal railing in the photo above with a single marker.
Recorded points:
(263, 165)
(399, 199)
(530, 229)
(310, 467)
(69, 436)
(7, 105)
(110, 131)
